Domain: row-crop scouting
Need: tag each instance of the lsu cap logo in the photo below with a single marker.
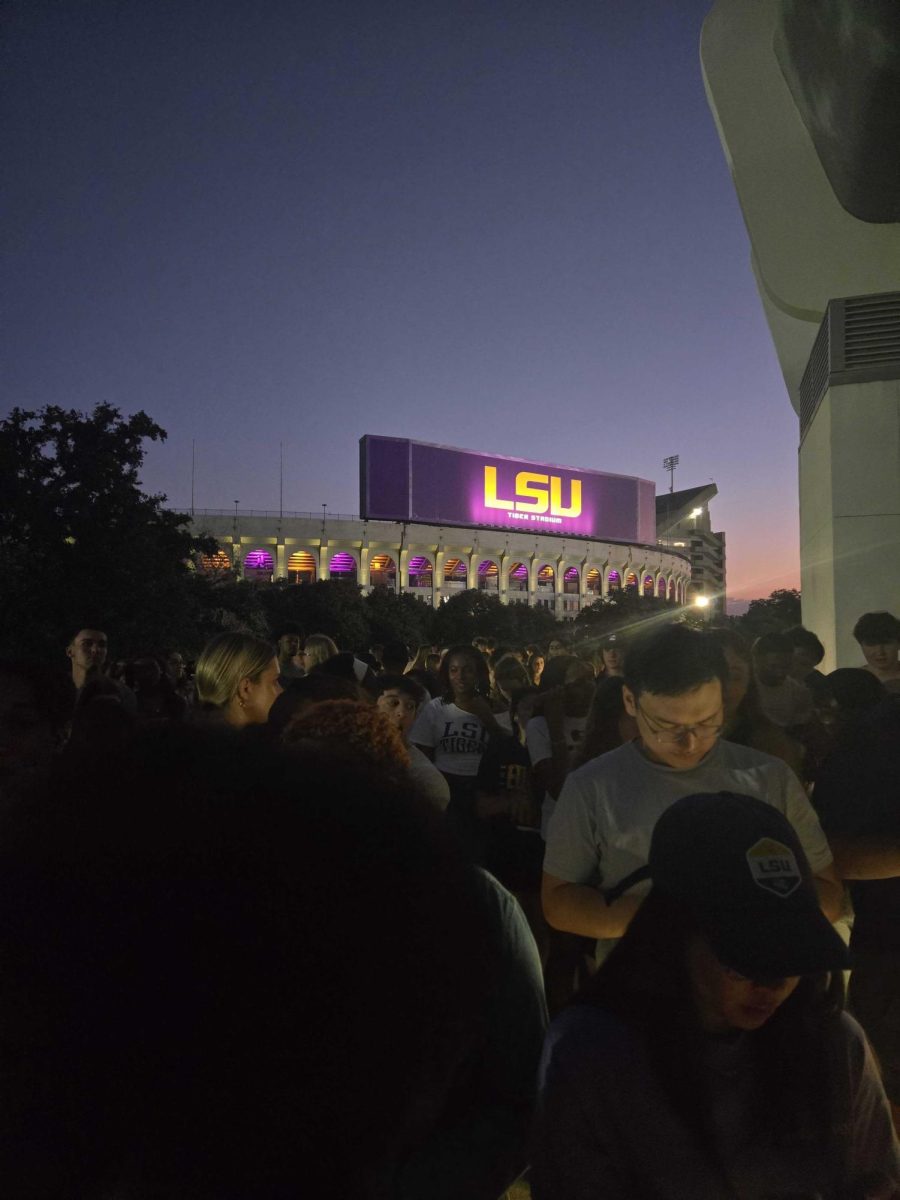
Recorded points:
(774, 867)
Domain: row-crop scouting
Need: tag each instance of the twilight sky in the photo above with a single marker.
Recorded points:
(502, 226)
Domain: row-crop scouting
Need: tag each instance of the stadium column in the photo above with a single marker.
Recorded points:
(437, 577)
(503, 580)
(533, 567)
(559, 603)
(472, 572)
(364, 572)
(402, 573)
(323, 559)
(280, 560)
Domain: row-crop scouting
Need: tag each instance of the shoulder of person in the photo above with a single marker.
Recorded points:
(731, 754)
(626, 757)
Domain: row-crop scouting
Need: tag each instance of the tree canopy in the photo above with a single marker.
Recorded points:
(80, 543)
(779, 610)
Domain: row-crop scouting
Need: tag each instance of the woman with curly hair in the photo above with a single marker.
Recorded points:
(351, 729)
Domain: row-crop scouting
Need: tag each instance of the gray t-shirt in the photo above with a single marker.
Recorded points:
(600, 831)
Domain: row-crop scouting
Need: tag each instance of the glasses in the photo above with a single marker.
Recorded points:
(705, 732)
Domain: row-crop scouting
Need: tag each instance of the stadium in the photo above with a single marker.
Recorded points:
(436, 520)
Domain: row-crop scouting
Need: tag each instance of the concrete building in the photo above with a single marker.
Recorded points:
(683, 524)
(806, 99)
(561, 573)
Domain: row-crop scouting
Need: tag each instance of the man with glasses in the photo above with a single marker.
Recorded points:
(600, 831)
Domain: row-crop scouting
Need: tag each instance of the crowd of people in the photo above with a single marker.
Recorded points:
(292, 919)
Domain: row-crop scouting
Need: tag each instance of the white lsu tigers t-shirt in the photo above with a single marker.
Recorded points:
(457, 738)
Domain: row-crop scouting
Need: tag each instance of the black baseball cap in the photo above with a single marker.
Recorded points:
(737, 864)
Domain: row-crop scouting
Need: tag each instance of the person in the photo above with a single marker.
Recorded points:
(452, 731)
(608, 725)
(808, 652)
(237, 679)
(353, 729)
(878, 635)
(288, 648)
(399, 700)
(87, 653)
(600, 831)
(395, 657)
(853, 693)
(536, 666)
(554, 735)
(745, 722)
(317, 649)
(268, 974)
(177, 674)
(424, 669)
(509, 678)
(507, 806)
(556, 647)
(321, 655)
(709, 1057)
(783, 700)
(856, 796)
(156, 698)
(301, 694)
(34, 709)
(612, 651)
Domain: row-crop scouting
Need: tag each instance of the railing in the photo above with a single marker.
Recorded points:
(268, 513)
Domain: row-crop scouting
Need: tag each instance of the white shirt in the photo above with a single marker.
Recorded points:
(457, 737)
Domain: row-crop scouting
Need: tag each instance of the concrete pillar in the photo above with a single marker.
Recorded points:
(850, 513)
(472, 570)
(437, 577)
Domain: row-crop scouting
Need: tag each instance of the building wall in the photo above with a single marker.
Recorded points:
(850, 513)
(558, 573)
(695, 537)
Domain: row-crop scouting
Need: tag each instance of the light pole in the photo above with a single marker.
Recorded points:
(669, 464)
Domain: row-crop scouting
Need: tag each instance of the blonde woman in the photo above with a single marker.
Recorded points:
(237, 678)
(317, 649)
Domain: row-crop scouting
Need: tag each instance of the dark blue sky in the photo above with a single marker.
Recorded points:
(507, 227)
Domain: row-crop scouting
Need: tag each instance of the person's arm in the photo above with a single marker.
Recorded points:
(802, 816)
(579, 908)
(424, 731)
(548, 777)
(830, 891)
(479, 706)
(866, 857)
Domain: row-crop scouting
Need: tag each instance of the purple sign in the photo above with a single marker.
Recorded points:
(402, 480)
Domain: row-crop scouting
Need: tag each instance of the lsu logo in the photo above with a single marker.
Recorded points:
(774, 867)
(534, 494)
